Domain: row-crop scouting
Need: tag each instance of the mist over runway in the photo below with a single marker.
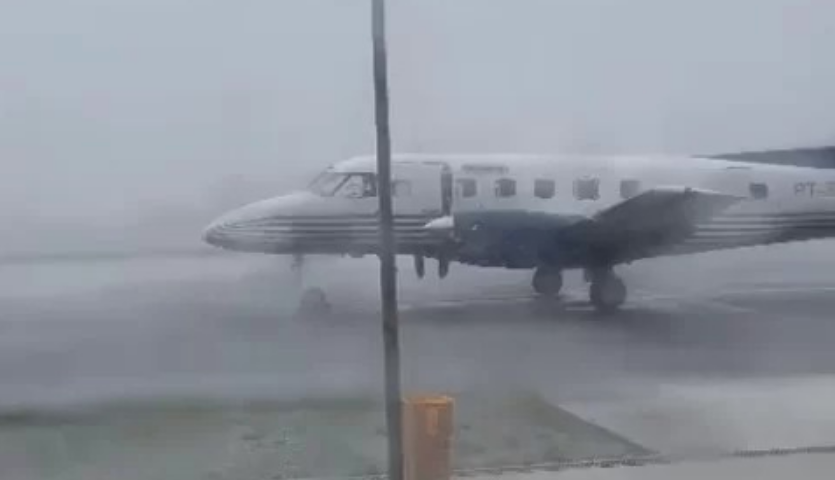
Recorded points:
(712, 353)
(225, 325)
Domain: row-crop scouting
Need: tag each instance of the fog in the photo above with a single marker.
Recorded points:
(128, 124)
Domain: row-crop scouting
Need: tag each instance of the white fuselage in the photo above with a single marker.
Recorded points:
(338, 212)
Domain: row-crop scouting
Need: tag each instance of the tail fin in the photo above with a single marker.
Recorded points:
(817, 157)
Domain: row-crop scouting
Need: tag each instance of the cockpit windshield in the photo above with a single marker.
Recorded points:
(347, 185)
(326, 183)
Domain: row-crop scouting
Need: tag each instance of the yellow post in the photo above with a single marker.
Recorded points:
(427, 437)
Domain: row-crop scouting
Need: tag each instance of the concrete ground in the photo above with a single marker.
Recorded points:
(721, 352)
(810, 467)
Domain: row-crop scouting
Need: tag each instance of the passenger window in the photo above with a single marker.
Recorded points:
(758, 191)
(629, 188)
(401, 188)
(544, 188)
(587, 189)
(467, 187)
(505, 187)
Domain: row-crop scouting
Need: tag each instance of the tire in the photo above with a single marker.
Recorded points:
(314, 301)
(607, 293)
(547, 281)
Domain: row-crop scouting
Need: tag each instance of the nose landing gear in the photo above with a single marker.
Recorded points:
(313, 300)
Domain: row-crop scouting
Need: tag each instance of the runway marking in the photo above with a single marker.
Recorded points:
(726, 307)
(697, 301)
(622, 461)
(719, 299)
(573, 300)
(468, 302)
(562, 305)
(768, 290)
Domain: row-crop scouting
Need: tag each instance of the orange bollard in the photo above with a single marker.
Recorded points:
(427, 437)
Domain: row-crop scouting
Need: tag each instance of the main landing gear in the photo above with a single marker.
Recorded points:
(547, 281)
(607, 291)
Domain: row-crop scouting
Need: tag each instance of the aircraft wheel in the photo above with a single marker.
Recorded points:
(547, 281)
(314, 302)
(607, 293)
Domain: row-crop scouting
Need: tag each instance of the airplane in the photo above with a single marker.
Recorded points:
(547, 213)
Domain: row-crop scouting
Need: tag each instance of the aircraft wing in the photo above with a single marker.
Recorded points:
(645, 224)
(639, 227)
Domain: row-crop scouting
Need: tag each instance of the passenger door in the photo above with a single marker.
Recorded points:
(421, 190)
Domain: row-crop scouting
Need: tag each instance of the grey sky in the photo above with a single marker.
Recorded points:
(113, 106)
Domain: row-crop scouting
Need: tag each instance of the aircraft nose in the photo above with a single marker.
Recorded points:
(212, 234)
(250, 228)
(220, 232)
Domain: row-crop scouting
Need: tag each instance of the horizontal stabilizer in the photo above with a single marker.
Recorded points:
(817, 157)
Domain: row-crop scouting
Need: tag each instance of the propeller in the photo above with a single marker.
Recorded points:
(443, 228)
(443, 264)
(420, 266)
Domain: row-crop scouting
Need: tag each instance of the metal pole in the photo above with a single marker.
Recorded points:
(388, 278)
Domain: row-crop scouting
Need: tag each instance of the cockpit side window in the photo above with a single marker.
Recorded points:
(346, 185)
(358, 185)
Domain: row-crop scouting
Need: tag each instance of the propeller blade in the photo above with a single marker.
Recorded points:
(443, 266)
(420, 266)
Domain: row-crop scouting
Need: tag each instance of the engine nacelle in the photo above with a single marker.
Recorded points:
(506, 238)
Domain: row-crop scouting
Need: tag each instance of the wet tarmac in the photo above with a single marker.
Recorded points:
(723, 352)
